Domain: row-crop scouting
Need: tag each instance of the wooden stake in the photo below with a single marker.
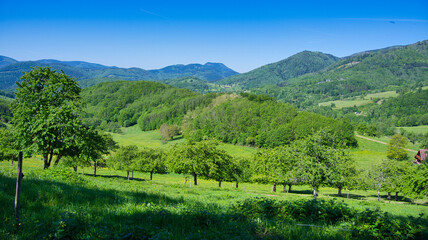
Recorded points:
(18, 190)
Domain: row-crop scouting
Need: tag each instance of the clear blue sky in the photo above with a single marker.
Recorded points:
(241, 34)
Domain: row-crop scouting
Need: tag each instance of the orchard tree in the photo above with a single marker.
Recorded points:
(379, 175)
(343, 171)
(317, 160)
(193, 158)
(45, 113)
(169, 131)
(220, 166)
(267, 167)
(396, 148)
(124, 159)
(151, 161)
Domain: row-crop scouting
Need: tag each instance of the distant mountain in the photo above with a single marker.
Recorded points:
(5, 61)
(394, 68)
(92, 73)
(79, 64)
(294, 66)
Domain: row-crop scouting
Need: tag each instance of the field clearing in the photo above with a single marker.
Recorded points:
(417, 129)
(358, 101)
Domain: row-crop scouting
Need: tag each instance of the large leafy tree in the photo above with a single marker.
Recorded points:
(396, 148)
(45, 113)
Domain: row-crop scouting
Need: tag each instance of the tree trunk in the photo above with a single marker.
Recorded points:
(58, 158)
(219, 183)
(347, 196)
(185, 180)
(315, 193)
(95, 168)
(339, 192)
(378, 194)
(75, 168)
(127, 172)
(13, 163)
(46, 161)
(151, 177)
(274, 187)
(195, 179)
(285, 188)
(236, 184)
(396, 196)
(289, 187)
(389, 195)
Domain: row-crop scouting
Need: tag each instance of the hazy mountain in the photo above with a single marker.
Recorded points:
(294, 66)
(88, 72)
(5, 61)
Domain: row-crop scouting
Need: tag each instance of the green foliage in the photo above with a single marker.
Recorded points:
(168, 132)
(396, 148)
(8, 149)
(124, 158)
(115, 104)
(259, 121)
(366, 223)
(45, 113)
(151, 161)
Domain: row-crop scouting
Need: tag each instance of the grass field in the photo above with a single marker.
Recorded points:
(418, 129)
(57, 206)
(358, 101)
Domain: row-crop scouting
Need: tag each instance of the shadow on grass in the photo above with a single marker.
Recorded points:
(115, 176)
(52, 209)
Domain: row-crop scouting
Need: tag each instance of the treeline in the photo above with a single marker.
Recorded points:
(381, 117)
(112, 105)
(319, 160)
(5, 113)
(259, 120)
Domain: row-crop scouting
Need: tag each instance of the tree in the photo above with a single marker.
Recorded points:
(124, 159)
(317, 159)
(151, 161)
(168, 132)
(379, 175)
(396, 148)
(45, 113)
(266, 167)
(343, 172)
(194, 158)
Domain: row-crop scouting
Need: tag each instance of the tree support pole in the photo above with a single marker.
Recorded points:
(18, 190)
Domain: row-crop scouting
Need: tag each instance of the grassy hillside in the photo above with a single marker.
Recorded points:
(60, 204)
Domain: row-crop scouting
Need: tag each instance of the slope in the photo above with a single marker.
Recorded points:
(375, 71)
(294, 66)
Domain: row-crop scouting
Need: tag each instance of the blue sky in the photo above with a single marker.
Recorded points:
(241, 34)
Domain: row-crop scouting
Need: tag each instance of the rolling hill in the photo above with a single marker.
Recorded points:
(279, 72)
(391, 69)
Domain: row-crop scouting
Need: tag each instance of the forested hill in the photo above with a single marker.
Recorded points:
(11, 71)
(246, 119)
(111, 105)
(387, 69)
(294, 66)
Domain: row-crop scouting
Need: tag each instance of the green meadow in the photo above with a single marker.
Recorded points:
(417, 129)
(359, 101)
